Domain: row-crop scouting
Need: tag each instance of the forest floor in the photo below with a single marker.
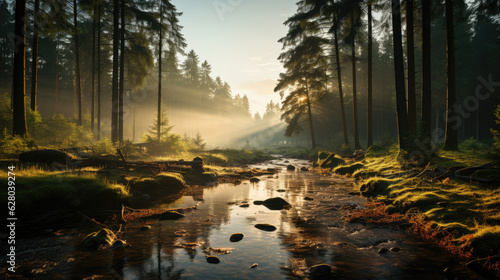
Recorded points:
(453, 201)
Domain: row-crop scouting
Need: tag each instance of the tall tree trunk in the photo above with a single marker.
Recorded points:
(309, 113)
(400, 76)
(451, 138)
(99, 72)
(34, 61)
(122, 71)
(57, 75)
(92, 107)
(426, 70)
(354, 93)
(369, 120)
(158, 131)
(410, 56)
(77, 65)
(114, 84)
(18, 76)
(339, 79)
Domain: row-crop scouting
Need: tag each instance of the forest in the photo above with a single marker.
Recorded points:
(95, 71)
(381, 155)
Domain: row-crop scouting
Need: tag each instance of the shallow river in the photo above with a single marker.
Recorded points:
(311, 232)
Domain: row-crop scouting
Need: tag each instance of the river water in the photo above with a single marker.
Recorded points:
(311, 232)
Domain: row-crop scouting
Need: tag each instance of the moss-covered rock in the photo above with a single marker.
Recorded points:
(348, 169)
(104, 237)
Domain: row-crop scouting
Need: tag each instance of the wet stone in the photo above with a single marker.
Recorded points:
(395, 249)
(170, 215)
(265, 227)
(320, 270)
(254, 265)
(212, 259)
(383, 250)
(245, 205)
(235, 237)
(281, 190)
(290, 168)
(304, 169)
(146, 227)
(308, 198)
(275, 203)
(254, 180)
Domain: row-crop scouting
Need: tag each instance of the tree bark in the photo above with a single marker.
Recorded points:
(426, 71)
(400, 78)
(309, 113)
(451, 138)
(160, 47)
(354, 94)
(339, 78)
(369, 126)
(77, 66)
(92, 107)
(122, 76)
(18, 76)
(114, 84)
(99, 72)
(410, 56)
(34, 61)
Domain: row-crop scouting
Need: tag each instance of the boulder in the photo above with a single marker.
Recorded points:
(47, 157)
(290, 168)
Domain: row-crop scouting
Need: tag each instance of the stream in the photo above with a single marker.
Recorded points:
(311, 232)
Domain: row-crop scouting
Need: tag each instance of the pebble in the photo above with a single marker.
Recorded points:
(212, 259)
(254, 265)
(382, 250)
(235, 237)
(265, 227)
(146, 227)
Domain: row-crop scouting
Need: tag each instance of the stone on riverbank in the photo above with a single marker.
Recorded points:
(254, 180)
(48, 156)
(99, 238)
(170, 215)
(320, 270)
(350, 169)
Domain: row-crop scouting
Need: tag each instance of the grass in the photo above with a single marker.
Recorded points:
(38, 191)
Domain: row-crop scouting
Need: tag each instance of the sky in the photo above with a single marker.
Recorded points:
(239, 39)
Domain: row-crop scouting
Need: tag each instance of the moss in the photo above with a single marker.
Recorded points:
(39, 191)
(376, 186)
(348, 169)
(486, 240)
